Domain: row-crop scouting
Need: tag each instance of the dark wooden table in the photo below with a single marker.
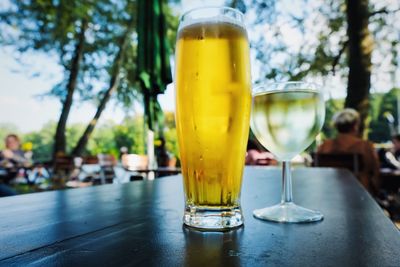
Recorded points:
(139, 224)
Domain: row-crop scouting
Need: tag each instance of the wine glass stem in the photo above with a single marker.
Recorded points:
(286, 182)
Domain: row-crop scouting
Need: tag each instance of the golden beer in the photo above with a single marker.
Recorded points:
(213, 101)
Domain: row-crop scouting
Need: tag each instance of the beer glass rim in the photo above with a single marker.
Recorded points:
(267, 87)
(238, 18)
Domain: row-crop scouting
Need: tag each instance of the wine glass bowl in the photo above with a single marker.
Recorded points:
(286, 118)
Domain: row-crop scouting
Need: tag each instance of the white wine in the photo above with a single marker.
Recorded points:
(286, 122)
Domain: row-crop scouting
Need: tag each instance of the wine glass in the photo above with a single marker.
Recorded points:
(286, 118)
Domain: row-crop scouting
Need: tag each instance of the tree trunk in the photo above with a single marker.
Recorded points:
(114, 82)
(60, 139)
(360, 49)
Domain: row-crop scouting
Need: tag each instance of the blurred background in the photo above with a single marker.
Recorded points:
(70, 76)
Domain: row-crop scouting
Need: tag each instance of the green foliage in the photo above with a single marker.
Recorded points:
(42, 142)
(381, 106)
(319, 30)
(131, 135)
(302, 40)
(386, 104)
(73, 133)
(171, 141)
(172, 25)
(169, 119)
(108, 138)
(103, 141)
(53, 27)
(170, 135)
(332, 106)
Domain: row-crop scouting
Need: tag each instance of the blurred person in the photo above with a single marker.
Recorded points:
(347, 123)
(11, 159)
(396, 145)
(390, 158)
(163, 156)
(123, 151)
(13, 156)
(257, 155)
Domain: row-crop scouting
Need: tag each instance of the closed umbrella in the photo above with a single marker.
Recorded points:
(154, 71)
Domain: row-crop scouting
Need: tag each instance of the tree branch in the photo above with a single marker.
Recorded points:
(337, 58)
(383, 11)
(114, 83)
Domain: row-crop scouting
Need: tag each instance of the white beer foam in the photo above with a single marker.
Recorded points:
(217, 18)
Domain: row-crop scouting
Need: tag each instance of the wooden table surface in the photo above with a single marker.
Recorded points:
(140, 224)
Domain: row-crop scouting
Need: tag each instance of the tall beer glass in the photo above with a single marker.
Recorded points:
(213, 101)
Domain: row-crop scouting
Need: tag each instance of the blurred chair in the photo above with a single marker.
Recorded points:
(350, 161)
(91, 160)
(63, 169)
(133, 162)
(39, 173)
(63, 165)
(90, 170)
(107, 164)
(136, 165)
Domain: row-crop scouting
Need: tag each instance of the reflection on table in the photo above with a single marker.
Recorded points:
(140, 224)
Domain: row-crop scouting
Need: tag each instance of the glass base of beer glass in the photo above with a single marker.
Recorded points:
(288, 213)
(213, 219)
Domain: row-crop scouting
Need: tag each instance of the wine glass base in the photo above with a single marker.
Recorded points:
(288, 213)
